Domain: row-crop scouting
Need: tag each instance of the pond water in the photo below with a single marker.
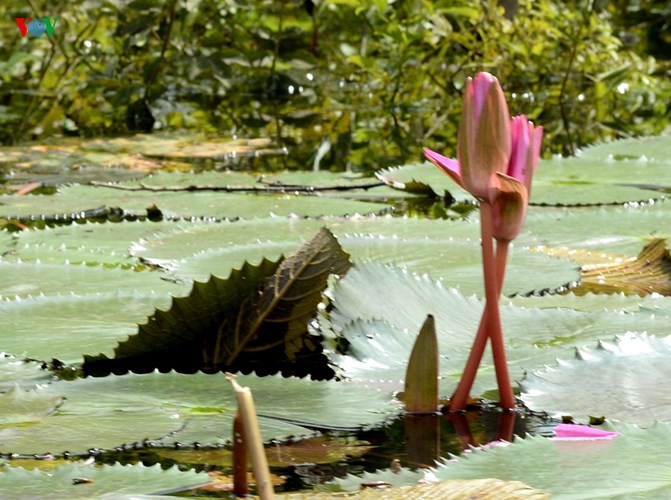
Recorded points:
(411, 442)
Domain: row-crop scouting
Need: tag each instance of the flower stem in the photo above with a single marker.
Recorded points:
(460, 398)
(492, 289)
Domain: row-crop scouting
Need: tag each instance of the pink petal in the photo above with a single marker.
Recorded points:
(448, 165)
(520, 130)
(479, 91)
(571, 432)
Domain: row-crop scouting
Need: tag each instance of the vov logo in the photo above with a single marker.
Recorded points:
(36, 27)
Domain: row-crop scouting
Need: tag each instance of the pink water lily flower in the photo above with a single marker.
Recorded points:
(508, 188)
(484, 140)
(496, 160)
(512, 189)
(484, 137)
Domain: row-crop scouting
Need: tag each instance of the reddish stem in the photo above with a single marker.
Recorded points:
(240, 488)
(459, 400)
(507, 399)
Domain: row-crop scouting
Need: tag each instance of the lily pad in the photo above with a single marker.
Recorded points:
(379, 309)
(20, 372)
(67, 326)
(445, 249)
(591, 302)
(165, 408)
(627, 466)
(559, 181)
(615, 229)
(76, 199)
(627, 387)
(22, 279)
(655, 149)
(83, 480)
(90, 242)
(423, 179)
(25, 407)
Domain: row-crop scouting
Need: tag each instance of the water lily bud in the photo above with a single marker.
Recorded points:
(510, 194)
(484, 134)
(525, 151)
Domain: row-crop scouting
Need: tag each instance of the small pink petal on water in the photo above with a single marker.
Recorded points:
(572, 432)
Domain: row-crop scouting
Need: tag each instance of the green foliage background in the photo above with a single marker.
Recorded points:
(345, 83)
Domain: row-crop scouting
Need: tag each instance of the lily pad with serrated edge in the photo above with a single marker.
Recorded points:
(656, 149)
(169, 408)
(446, 249)
(559, 181)
(76, 199)
(90, 242)
(627, 466)
(21, 372)
(24, 279)
(83, 480)
(379, 309)
(628, 385)
(612, 229)
(68, 326)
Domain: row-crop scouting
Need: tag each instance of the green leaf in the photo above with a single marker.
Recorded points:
(22, 407)
(71, 201)
(378, 349)
(91, 242)
(117, 481)
(627, 387)
(650, 149)
(620, 229)
(23, 279)
(589, 180)
(423, 179)
(627, 466)
(441, 248)
(20, 372)
(286, 303)
(255, 320)
(65, 327)
(169, 408)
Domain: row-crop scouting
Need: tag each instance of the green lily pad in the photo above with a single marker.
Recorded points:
(655, 149)
(21, 279)
(591, 302)
(55, 175)
(445, 249)
(76, 199)
(616, 229)
(627, 387)
(68, 326)
(627, 466)
(379, 309)
(25, 407)
(84, 480)
(559, 181)
(424, 178)
(105, 243)
(20, 372)
(166, 408)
